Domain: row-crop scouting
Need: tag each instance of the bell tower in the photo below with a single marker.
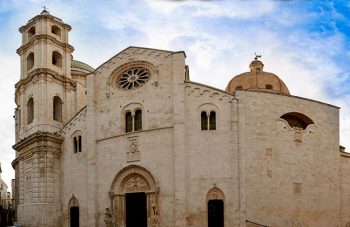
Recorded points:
(44, 97)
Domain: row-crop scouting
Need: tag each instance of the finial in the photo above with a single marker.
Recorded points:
(257, 56)
(45, 11)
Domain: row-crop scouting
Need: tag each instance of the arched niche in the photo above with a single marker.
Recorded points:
(297, 120)
(134, 179)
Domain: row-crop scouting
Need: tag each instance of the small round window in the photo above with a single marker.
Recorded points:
(133, 78)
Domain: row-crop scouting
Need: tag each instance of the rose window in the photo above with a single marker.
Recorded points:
(133, 78)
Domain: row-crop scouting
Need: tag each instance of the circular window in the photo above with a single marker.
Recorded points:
(133, 78)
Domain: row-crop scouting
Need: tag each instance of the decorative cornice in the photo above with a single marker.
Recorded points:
(37, 137)
(23, 48)
(69, 83)
(193, 88)
(80, 114)
(49, 17)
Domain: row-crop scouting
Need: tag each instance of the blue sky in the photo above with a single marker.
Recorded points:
(306, 43)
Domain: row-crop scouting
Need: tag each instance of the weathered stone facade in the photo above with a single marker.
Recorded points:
(88, 140)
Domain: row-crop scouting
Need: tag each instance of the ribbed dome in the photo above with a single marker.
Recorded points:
(257, 79)
(81, 65)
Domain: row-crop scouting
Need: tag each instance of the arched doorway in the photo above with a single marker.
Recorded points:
(73, 206)
(215, 203)
(134, 198)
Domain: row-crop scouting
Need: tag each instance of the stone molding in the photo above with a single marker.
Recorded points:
(196, 89)
(42, 74)
(79, 116)
(38, 139)
(31, 42)
(48, 17)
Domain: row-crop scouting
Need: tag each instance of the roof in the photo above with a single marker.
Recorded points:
(257, 79)
(81, 65)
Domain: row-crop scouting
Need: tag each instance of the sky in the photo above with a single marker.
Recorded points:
(306, 43)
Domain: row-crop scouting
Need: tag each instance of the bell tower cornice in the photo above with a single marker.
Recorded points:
(48, 17)
(45, 38)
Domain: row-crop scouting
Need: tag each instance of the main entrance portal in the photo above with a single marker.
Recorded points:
(136, 210)
(134, 198)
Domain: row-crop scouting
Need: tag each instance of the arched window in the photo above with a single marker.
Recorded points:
(57, 108)
(30, 61)
(30, 110)
(128, 122)
(212, 120)
(56, 30)
(77, 144)
(138, 120)
(268, 86)
(208, 122)
(239, 88)
(57, 59)
(204, 121)
(297, 120)
(31, 32)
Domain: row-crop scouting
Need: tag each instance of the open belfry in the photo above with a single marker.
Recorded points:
(136, 143)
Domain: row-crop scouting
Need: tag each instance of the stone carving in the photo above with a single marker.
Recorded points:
(136, 183)
(298, 135)
(215, 194)
(108, 219)
(133, 153)
(132, 147)
(155, 214)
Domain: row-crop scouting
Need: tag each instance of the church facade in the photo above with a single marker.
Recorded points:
(135, 142)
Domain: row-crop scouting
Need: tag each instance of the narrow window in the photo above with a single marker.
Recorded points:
(57, 109)
(212, 120)
(57, 59)
(204, 121)
(30, 110)
(269, 86)
(138, 120)
(75, 144)
(31, 32)
(79, 143)
(56, 30)
(30, 61)
(128, 122)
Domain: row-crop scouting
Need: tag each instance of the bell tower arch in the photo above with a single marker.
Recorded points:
(45, 101)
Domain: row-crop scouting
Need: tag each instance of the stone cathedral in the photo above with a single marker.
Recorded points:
(136, 143)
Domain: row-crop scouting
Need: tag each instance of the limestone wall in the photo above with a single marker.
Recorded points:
(211, 155)
(292, 175)
(345, 188)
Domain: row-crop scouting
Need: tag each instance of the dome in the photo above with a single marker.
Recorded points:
(78, 65)
(257, 79)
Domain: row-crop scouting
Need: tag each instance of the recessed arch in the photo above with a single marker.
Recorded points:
(73, 209)
(134, 180)
(56, 30)
(297, 120)
(30, 61)
(56, 58)
(57, 109)
(31, 32)
(216, 207)
(30, 110)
